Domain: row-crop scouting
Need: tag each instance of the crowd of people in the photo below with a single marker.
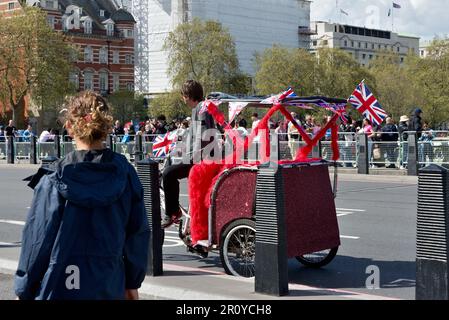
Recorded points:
(378, 136)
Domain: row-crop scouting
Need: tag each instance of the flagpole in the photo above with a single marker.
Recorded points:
(392, 18)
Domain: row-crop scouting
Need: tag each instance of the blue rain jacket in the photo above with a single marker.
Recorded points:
(87, 233)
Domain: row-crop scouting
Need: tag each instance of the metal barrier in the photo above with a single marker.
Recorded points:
(380, 154)
(3, 150)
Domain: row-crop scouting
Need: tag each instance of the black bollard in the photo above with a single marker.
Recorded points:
(139, 148)
(110, 142)
(33, 150)
(363, 156)
(10, 152)
(413, 156)
(148, 172)
(432, 243)
(271, 268)
(58, 146)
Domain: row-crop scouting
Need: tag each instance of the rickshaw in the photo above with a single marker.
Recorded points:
(312, 228)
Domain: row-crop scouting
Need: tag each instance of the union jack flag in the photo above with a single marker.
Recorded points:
(364, 101)
(163, 144)
(278, 98)
(340, 109)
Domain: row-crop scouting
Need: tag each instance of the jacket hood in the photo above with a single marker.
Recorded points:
(94, 178)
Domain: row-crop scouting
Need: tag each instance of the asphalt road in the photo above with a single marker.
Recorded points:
(377, 219)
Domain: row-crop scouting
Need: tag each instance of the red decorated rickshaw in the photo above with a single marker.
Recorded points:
(222, 197)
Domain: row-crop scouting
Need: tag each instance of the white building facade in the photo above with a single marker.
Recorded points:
(254, 25)
(362, 43)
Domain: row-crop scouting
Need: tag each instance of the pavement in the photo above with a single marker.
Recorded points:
(380, 233)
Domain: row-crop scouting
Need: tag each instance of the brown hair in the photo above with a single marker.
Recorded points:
(88, 117)
(193, 90)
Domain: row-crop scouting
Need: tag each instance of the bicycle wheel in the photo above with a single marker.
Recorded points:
(238, 248)
(318, 259)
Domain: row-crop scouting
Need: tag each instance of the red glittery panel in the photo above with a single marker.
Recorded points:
(234, 200)
(311, 217)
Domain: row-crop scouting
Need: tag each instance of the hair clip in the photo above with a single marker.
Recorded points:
(88, 118)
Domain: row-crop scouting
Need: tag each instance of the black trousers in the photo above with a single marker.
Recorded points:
(170, 178)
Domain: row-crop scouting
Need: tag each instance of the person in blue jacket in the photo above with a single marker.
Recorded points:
(87, 233)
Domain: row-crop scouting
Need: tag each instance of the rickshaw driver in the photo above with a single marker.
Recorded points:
(193, 95)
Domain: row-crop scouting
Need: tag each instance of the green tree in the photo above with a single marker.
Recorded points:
(205, 51)
(169, 104)
(126, 106)
(395, 85)
(279, 68)
(338, 73)
(431, 78)
(35, 61)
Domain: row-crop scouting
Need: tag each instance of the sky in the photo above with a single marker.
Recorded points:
(424, 18)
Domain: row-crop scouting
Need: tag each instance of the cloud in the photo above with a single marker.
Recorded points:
(416, 17)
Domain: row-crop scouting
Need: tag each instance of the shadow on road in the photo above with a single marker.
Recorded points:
(350, 272)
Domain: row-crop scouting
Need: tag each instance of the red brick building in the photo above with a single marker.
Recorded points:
(104, 35)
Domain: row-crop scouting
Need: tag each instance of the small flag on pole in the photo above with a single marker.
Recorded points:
(344, 12)
(389, 12)
(396, 6)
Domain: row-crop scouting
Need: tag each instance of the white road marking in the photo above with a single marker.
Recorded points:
(16, 222)
(177, 242)
(342, 212)
(349, 237)
(10, 244)
(356, 210)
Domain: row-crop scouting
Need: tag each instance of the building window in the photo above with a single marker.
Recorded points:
(103, 55)
(380, 47)
(51, 22)
(115, 57)
(346, 43)
(366, 45)
(352, 44)
(64, 24)
(88, 26)
(370, 56)
(398, 49)
(130, 33)
(130, 86)
(103, 81)
(364, 56)
(11, 6)
(325, 42)
(110, 29)
(101, 13)
(88, 80)
(129, 59)
(372, 46)
(50, 4)
(88, 54)
(74, 79)
(315, 43)
(360, 44)
(115, 82)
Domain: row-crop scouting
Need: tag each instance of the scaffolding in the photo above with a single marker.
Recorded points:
(140, 11)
